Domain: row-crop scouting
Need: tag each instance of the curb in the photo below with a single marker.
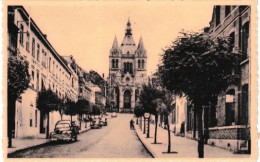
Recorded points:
(146, 146)
(30, 147)
(38, 145)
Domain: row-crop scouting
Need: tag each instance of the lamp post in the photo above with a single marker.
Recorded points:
(147, 116)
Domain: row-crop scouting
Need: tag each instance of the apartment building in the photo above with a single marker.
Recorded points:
(47, 71)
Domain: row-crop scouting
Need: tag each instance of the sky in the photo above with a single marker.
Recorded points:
(87, 30)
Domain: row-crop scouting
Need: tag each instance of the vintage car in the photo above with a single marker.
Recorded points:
(96, 123)
(65, 130)
(104, 121)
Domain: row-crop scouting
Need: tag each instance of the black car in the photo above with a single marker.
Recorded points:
(65, 130)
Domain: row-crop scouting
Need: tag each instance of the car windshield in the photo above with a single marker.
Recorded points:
(63, 125)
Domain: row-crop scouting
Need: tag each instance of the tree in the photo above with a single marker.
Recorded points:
(95, 110)
(47, 101)
(166, 107)
(83, 107)
(18, 81)
(199, 67)
(70, 108)
(149, 94)
(138, 111)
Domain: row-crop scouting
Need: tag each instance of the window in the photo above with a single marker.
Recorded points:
(33, 47)
(139, 64)
(53, 67)
(230, 107)
(217, 15)
(21, 34)
(227, 10)
(37, 80)
(56, 71)
(36, 119)
(49, 64)
(27, 41)
(38, 52)
(116, 63)
(113, 63)
(245, 38)
(44, 58)
(32, 78)
(244, 111)
(232, 40)
(142, 64)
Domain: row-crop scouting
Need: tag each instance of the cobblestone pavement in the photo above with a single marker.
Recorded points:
(113, 141)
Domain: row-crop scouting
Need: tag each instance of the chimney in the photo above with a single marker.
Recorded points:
(45, 36)
(103, 75)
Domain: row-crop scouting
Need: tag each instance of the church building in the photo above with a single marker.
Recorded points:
(127, 72)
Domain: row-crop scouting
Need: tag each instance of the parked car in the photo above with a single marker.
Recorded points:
(65, 130)
(113, 115)
(96, 123)
(104, 121)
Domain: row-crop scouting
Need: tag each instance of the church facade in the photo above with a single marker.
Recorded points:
(127, 72)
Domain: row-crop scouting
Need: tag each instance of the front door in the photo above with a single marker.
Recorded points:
(127, 99)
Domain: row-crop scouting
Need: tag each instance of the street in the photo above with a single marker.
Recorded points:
(113, 141)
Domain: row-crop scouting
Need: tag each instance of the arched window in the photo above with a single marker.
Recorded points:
(139, 64)
(116, 63)
(142, 64)
(113, 63)
(244, 111)
(245, 38)
(230, 107)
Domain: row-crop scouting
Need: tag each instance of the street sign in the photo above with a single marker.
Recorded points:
(146, 115)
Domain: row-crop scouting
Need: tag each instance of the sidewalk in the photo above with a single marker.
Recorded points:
(23, 143)
(185, 148)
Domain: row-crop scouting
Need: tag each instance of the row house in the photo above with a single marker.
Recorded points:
(47, 71)
(227, 122)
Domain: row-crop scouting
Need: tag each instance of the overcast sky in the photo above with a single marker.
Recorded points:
(87, 30)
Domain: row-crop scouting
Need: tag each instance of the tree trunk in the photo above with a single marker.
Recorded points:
(148, 129)
(201, 136)
(169, 134)
(80, 119)
(11, 120)
(48, 126)
(144, 126)
(140, 123)
(155, 131)
(194, 123)
(60, 114)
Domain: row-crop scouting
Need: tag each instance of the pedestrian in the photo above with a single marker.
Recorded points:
(131, 124)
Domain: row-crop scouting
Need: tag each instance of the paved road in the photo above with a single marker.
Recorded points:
(113, 141)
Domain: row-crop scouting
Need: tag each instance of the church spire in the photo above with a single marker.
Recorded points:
(115, 44)
(140, 44)
(128, 28)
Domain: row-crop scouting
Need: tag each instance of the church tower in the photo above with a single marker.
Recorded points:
(127, 71)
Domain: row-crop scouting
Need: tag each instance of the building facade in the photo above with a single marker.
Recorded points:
(127, 72)
(227, 121)
(47, 71)
(231, 128)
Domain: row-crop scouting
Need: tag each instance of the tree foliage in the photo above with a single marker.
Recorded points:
(149, 94)
(198, 66)
(96, 110)
(18, 76)
(138, 110)
(47, 101)
(83, 106)
(70, 108)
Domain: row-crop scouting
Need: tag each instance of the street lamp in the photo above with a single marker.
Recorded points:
(147, 116)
